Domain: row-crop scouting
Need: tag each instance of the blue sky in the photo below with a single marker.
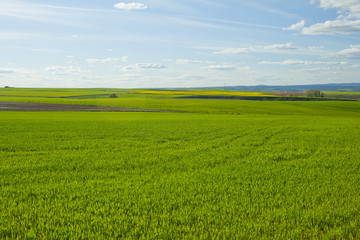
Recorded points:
(178, 43)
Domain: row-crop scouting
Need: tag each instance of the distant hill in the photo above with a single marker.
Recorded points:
(331, 87)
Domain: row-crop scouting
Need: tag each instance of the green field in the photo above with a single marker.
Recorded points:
(220, 169)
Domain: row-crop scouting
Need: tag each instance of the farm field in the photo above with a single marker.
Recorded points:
(169, 101)
(348, 95)
(218, 169)
(92, 92)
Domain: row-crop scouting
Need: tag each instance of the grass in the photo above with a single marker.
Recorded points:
(229, 169)
(142, 175)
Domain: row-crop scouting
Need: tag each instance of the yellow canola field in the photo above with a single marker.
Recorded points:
(204, 93)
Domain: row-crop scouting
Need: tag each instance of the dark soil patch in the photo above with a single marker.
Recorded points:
(21, 106)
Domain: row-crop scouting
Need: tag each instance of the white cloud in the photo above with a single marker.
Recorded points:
(280, 46)
(7, 70)
(355, 66)
(130, 6)
(4, 71)
(62, 70)
(189, 61)
(302, 62)
(269, 48)
(315, 70)
(149, 65)
(144, 65)
(333, 27)
(107, 60)
(296, 26)
(348, 7)
(316, 47)
(347, 22)
(353, 52)
(235, 50)
(223, 67)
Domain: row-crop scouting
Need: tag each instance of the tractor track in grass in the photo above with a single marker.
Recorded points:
(27, 106)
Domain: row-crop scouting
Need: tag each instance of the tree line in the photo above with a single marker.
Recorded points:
(314, 93)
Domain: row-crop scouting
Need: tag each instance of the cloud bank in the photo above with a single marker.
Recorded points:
(302, 62)
(347, 22)
(333, 27)
(353, 52)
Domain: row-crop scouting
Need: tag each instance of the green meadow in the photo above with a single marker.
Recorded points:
(212, 169)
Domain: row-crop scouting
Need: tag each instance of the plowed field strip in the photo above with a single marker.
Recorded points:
(20, 106)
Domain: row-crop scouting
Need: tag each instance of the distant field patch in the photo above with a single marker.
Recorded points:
(344, 95)
(59, 92)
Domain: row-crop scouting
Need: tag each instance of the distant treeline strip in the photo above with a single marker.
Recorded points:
(261, 98)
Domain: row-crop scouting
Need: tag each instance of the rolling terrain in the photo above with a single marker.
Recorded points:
(217, 168)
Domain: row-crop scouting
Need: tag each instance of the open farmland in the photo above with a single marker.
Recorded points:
(220, 169)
